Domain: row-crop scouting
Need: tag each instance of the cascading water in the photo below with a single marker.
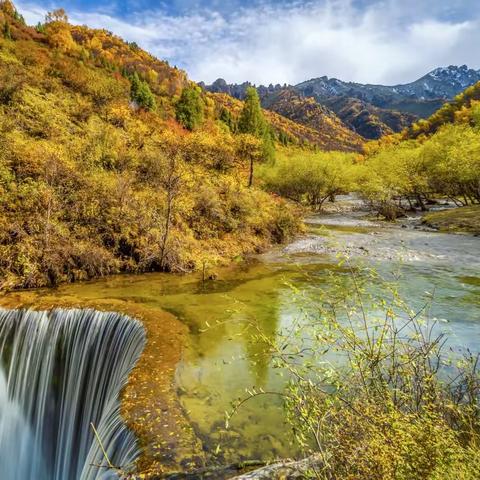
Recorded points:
(61, 371)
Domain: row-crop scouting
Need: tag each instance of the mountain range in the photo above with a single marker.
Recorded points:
(369, 110)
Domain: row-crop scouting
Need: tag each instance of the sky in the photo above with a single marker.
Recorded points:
(289, 41)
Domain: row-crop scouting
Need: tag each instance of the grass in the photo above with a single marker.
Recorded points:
(464, 219)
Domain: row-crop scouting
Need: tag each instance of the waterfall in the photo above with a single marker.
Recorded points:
(60, 371)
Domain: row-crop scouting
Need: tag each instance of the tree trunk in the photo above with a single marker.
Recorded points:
(167, 230)
(250, 177)
(420, 202)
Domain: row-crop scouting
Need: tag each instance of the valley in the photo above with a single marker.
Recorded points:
(228, 280)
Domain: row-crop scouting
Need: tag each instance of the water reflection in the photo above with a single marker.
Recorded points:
(223, 355)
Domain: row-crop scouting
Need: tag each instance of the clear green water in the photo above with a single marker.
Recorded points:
(222, 357)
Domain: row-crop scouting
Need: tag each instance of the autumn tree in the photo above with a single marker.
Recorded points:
(452, 158)
(58, 30)
(172, 181)
(189, 109)
(7, 7)
(9, 12)
(57, 16)
(249, 149)
(311, 179)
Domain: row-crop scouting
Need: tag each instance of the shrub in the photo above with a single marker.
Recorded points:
(311, 178)
(374, 394)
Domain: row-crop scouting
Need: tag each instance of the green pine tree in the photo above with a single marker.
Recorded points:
(251, 119)
(283, 138)
(6, 31)
(141, 93)
(268, 146)
(253, 122)
(227, 119)
(190, 108)
(19, 18)
(40, 28)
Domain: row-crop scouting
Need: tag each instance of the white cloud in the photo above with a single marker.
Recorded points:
(378, 43)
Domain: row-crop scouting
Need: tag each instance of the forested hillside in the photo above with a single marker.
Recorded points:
(332, 132)
(367, 120)
(296, 121)
(435, 160)
(463, 108)
(437, 157)
(113, 161)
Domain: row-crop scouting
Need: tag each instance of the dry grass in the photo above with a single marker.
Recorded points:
(464, 219)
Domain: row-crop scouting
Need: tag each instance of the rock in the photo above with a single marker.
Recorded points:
(286, 469)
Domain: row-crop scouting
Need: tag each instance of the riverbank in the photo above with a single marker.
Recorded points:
(457, 220)
(201, 352)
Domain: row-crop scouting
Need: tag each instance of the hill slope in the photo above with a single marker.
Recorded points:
(367, 120)
(305, 120)
(92, 183)
(465, 108)
(331, 131)
(300, 119)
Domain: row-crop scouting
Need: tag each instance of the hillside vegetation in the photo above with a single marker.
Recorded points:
(112, 161)
(465, 107)
(439, 156)
(395, 174)
(299, 121)
(333, 134)
(346, 118)
(367, 120)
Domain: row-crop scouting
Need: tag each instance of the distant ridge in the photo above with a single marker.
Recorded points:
(370, 110)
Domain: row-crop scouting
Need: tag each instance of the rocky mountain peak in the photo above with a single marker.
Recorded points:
(363, 105)
(461, 75)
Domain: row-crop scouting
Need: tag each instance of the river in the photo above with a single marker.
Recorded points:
(221, 356)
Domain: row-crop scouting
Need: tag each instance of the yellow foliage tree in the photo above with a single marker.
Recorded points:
(58, 31)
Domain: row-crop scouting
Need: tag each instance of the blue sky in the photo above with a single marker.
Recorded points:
(288, 41)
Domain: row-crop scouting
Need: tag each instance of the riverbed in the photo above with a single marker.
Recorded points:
(205, 330)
